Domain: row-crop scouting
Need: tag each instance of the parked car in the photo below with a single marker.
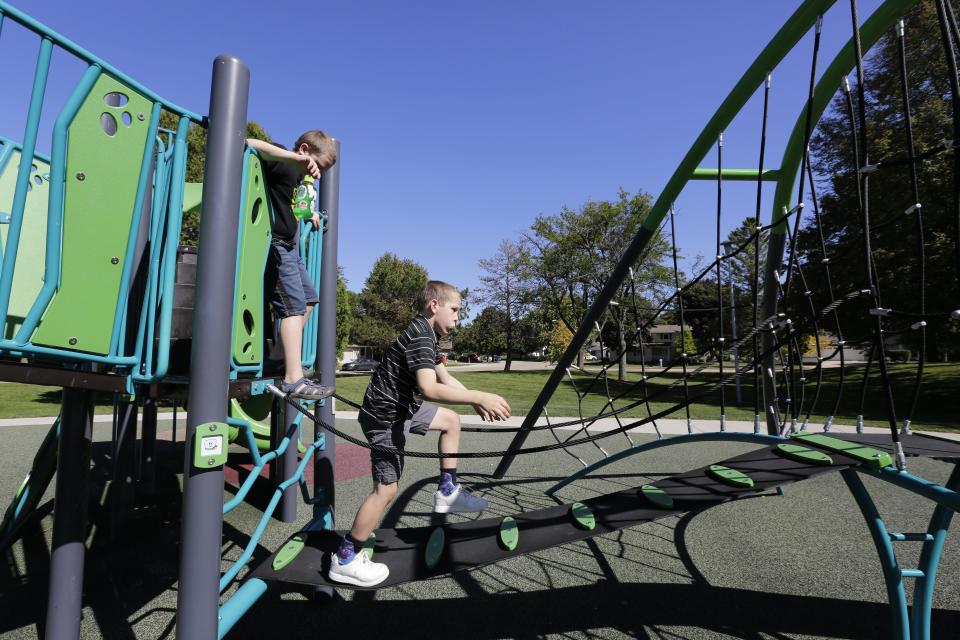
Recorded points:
(589, 357)
(469, 357)
(361, 364)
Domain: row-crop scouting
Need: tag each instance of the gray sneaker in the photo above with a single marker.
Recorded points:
(460, 501)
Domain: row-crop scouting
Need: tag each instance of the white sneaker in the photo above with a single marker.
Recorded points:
(460, 501)
(361, 571)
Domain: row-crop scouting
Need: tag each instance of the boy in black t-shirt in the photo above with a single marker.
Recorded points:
(292, 294)
(393, 406)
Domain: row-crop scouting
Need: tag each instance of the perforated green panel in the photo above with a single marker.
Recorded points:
(103, 169)
(254, 244)
(28, 275)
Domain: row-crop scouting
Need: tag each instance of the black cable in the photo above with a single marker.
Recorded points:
(863, 183)
(757, 386)
(918, 216)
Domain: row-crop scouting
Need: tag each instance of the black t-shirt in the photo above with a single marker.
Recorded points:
(282, 180)
(393, 395)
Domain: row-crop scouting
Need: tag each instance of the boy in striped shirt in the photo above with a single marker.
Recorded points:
(394, 406)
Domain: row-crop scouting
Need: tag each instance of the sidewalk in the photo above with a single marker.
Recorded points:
(667, 426)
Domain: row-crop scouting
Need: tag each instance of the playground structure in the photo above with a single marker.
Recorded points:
(124, 344)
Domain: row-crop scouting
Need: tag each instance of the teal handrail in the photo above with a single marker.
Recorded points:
(23, 175)
(68, 45)
(58, 168)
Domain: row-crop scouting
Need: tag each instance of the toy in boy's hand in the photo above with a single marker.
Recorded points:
(303, 199)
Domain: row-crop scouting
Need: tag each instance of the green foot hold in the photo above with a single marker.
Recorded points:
(658, 497)
(435, 545)
(803, 454)
(369, 545)
(289, 551)
(509, 533)
(729, 477)
(582, 516)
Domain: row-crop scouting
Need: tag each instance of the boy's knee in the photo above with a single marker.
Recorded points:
(386, 492)
(449, 419)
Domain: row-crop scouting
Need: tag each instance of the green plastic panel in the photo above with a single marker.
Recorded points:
(729, 477)
(803, 454)
(658, 497)
(289, 551)
(254, 244)
(435, 545)
(872, 457)
(582, 516)
(28, 275)
(509, 533)
(105, 149)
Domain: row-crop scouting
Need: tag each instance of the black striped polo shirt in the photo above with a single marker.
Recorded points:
(393, 395)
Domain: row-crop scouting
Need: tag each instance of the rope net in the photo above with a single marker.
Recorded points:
(789, 318)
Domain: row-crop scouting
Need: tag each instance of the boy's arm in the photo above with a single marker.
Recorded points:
(488, 405)
(272, 152)
(444, 377)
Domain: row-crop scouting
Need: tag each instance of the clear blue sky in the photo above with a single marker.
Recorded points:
(461, 121)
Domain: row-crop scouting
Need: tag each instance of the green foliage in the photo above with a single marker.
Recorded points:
(385, 305)
(557, 341)
(687, 345)
(196, 162)
(486, 334)
(346, 302)
(898, 355)
(896, 238)
(574, 253)
(508, 286)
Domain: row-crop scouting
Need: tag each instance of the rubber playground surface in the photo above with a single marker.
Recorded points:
(798, 565)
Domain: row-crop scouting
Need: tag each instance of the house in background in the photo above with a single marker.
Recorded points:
(662, 345)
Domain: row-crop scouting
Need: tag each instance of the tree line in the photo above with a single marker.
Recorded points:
(536, 288)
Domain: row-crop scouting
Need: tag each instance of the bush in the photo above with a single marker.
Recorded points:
(898, 355)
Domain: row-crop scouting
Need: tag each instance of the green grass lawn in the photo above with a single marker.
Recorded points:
(937, 409)
(34, 401)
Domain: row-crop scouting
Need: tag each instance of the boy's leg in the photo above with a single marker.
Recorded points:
(292, 298)
(291, 334)
(450, 496)
(447, 422)
(370, 512)
(348, 565)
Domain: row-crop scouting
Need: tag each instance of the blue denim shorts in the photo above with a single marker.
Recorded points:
(287, 281)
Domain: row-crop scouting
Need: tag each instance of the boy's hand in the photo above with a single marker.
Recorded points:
(492, 407)
(315, 221)
(309, 165)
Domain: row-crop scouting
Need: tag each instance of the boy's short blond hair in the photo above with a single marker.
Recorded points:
(318, 142)
(436, 290)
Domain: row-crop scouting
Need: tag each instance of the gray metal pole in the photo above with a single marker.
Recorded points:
(198, 599)
(326, 364)
(65, 597)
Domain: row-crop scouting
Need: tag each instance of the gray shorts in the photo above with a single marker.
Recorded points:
(387, 468)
